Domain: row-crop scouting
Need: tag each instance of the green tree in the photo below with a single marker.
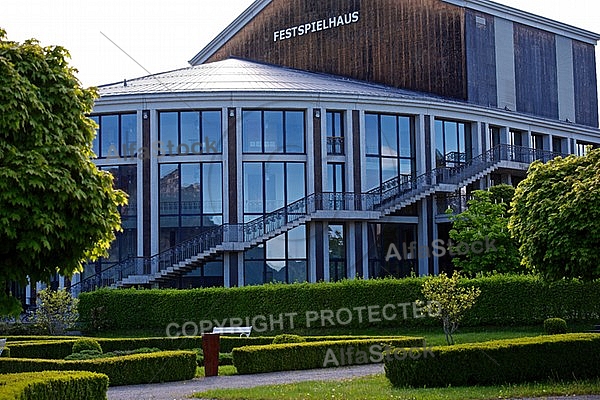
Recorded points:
(448, 301)
(555, 214)
(482, 230)
(56, 208)
(57, 311)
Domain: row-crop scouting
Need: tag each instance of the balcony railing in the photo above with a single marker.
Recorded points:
(387, 195)
(335, 146)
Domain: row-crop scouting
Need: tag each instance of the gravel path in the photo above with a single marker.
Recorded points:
(181, 390)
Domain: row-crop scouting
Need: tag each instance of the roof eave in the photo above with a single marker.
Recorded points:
(526, 18)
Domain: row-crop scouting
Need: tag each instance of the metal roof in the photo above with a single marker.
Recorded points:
(237, 75)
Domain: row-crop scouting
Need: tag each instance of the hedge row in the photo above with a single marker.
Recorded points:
(276, 308)
(53, 385)
(310, 355)
(569, 356)
(59, 349)
(133, 369)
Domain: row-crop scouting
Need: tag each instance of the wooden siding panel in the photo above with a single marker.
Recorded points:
(535, 71)
(586, 86)
(481, 58)
(411, 44)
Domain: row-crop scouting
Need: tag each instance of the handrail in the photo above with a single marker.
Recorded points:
(389, 193)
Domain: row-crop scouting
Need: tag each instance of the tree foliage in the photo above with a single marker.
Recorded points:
(448, 301)
(555, 214)
(56, 208)
(482, 230)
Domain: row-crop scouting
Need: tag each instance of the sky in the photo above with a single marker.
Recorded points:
(162, 35)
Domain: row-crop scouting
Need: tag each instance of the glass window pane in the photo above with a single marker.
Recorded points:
(274, 186)
(190, 134)
(276, 247)
(252, 131)
(191, 221)
(439, 143)
(337, 248)
(295, 182)
(297, 242)
(273, 131)
(129, 134)
(405, 135)
(109, 130)
(330, 178)
(297, 271)
(253, 272)
(294, 129)
(372, 173)
(167, 132)
(372, 133)
(329, 123)
(169, 189)
(389, 168)
(190, 189)
(389, 136)
(212, 220)
(461, 137)
(405, 166)
(212, 190)
(128, 183)
(211, 132)
(96, 141)
(451, 136)
(253, 190)
(255, 253)
(276, 271)
(213, 268)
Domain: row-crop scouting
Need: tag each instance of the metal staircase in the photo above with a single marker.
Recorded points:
(386, 199)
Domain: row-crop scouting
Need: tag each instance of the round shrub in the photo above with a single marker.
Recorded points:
(555, 326)
(287, 338)
(86, 344)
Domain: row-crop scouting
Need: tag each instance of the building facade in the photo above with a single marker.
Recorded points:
(310, 136)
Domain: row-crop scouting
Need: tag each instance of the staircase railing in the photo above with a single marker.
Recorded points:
(388, 194)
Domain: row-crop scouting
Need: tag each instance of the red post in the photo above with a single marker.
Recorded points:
(210, 347)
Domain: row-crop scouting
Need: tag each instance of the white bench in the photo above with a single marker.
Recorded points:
(242, 330)
(2, 345)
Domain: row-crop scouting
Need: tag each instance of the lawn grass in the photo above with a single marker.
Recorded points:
(378, 387)
(224, 370)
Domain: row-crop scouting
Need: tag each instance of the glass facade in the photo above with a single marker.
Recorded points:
(116, 136)
(453, 142)
(393, 250)
(273, 131)
(190, 201)
(189, 133)
(337, 253)
(390, 148)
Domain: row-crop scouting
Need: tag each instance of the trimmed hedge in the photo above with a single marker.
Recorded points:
(53, 385)
(59, 349)
(568, 357)
(505, 300)
(308, 355)
(133, 369)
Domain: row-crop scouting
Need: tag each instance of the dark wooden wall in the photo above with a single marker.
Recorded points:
(481, 58)
(586, 95)
(536, 71)
(412, 44)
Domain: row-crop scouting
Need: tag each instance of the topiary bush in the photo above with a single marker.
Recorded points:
(287, 338)
(555, 326)
(86, 344)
